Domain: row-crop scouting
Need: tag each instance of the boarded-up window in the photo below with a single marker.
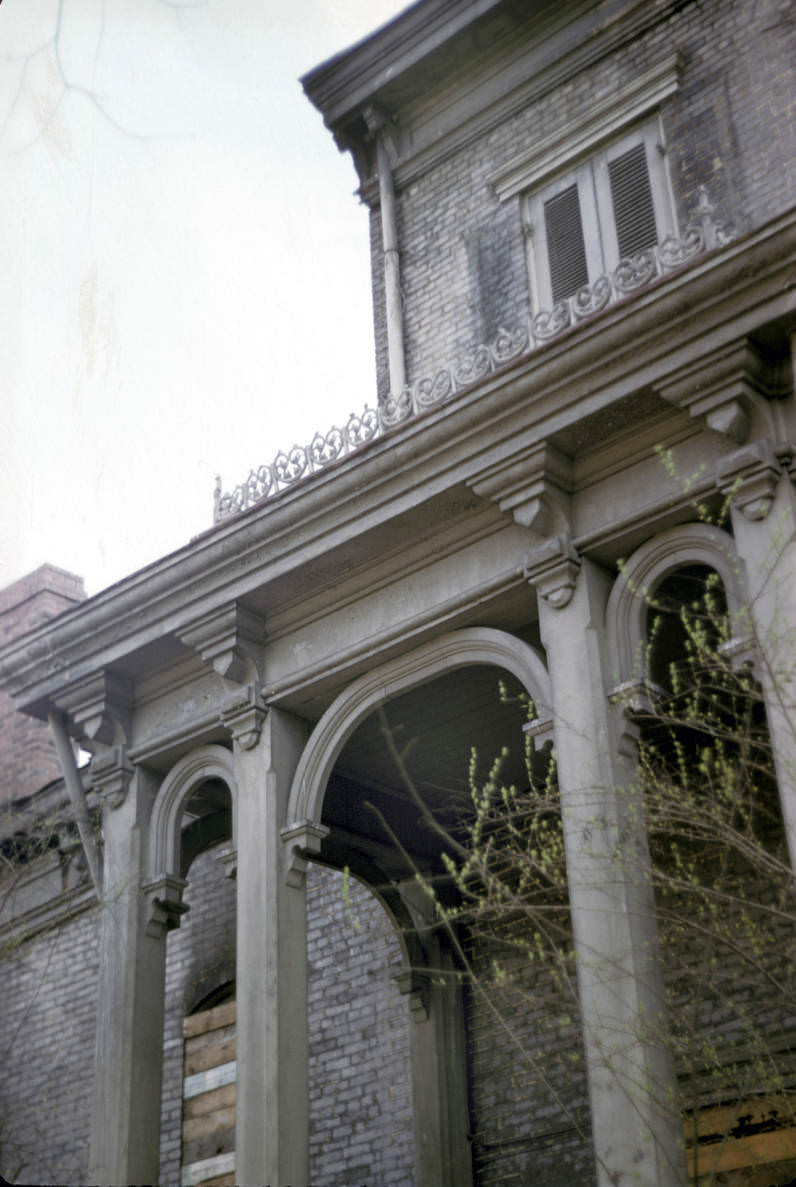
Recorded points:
(752, 1142)
(208, 1111)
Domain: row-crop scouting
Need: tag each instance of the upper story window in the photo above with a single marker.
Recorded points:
(608, 208)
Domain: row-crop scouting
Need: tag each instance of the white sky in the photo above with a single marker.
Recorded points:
(184, 276)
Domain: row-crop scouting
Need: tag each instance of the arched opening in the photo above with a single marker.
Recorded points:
(723, 890)
(431, 779)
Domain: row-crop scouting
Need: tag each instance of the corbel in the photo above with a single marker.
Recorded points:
(302, 841)
(98, 709)
(723, 388)
(533, 486)
(552, 568)
(228, 860)
(111, 772)
(243, 713)
(164, 905)
(415, 985)
(231, 640)
(749, 476)
(540, 731)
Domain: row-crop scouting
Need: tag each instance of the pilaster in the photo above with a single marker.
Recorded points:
(632, 1085)
(272, 1127)
(125, 1129)
(758, 481)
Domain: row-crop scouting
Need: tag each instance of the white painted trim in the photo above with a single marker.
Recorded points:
(208, 1081)
(207, 1168)
(607, 119)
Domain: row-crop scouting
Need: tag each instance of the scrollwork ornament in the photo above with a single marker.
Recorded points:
(635, 271)
(434, 389)
(326, 449)
(550, 322)
(472, 367)
(509, 344)
(362, 427)
(591, 298)
(673, 252)
(289, 467)
(396, 409)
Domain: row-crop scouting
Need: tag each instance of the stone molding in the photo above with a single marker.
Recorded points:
(626, 610)
(457, 649)
(552, 568)
(111, 773)
(206, 762)
(533, 485)
(749, 477)
(301, 841)
(164, 905)
(98, 708)
(231, 639)
(722, 388)
(243, 713)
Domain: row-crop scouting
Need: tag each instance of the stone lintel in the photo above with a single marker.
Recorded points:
(231, 640)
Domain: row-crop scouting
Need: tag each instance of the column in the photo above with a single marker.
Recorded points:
(272, 1133)
(637, 1131)
(125, 1121)
(438, 1045)
(763, 510)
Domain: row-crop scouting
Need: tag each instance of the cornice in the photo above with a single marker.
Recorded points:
(629, 346)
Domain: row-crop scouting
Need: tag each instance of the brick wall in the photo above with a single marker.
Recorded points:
(27, 754)
(730, 126)
(360, 1096)
(47, 1034)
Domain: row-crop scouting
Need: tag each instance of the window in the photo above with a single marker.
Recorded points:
(610, 207)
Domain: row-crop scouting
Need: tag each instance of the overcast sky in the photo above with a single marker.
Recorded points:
(184, 267)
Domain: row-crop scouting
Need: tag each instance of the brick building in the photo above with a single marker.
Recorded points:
(582, 241)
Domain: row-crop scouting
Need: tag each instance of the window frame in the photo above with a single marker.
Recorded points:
(591, 177)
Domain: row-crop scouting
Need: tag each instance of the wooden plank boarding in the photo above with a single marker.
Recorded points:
(209, 1094)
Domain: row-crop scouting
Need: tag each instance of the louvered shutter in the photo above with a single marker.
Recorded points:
(631, 195)
(565, 247)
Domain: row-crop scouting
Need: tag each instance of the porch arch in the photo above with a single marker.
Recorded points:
(206, 762)
(688, 544)
(457, 649)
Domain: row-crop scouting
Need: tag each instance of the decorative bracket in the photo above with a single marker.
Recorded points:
(301, 840)
(533, 485)
(99, 708)
(723, 388)
(164, 904)
(232, 640)
(540, 731)
(416, 986)
(111, 772)
(553, 569)
(243, 714)
(750, 477)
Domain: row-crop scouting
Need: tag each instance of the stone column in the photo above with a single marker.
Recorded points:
(637, 1131)
(125, 1122)
(438, 1044)
(272, 1130)
(759, 481)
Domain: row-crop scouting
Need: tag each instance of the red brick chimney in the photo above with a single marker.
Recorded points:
(27, 754)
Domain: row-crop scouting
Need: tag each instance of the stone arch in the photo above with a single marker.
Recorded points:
(206, 762)
(458, 649)
(689, 544)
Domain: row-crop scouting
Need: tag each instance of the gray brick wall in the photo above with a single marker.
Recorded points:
(730, 126)
(47, 1034)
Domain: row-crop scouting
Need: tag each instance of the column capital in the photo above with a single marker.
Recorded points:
(301, 841)
(552, 568)
(231, 639)
(749, 477)
(111, 774)
(243, 713)
(164, 905)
